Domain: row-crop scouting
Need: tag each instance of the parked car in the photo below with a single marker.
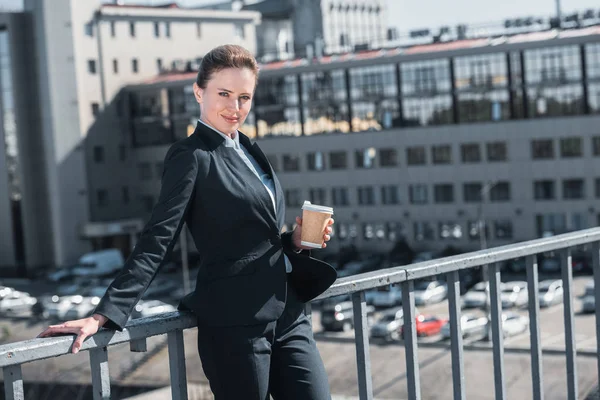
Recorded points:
(16, 302)
(82, 307)
(470, 324)
(148, 308)
(94, 264)
(389, 323)
(589, 298)
(514, 294)
(513, 323)
(427, 325)
(340, 316)
(56, 307)
(428, 292)
(387, 296)
(476, 297)
(550, 292)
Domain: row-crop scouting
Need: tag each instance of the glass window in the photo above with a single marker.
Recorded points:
(592, 62)
(500, 192)
(89, 29)
(102, 197)
(167, 29)
(544, 190)
(115, 66)
(542, 149)
(503, 229)
(597, 187)
(92, 66)
(134, 65)
(238, 31)
(441, 154)
(416, 155)
(365, 158)
(113, 30)
(291, 163)
(145, 171)
(388, 157)
(470, 153)
(149, 103)
(573, 189)
(156, 29)
(423, 231)
(472, 192)
(450, 230)
(366, 196)
(596, 145)
(315, 161)
(317, 196)
(276, 104)
(496, 151)
(293, 198)
(389, 195)
(418, 194)
(95, 109)
(132, 29)
(571, 147)
(339, 196)
(338, 160)
(154, 132)
(443, 193)
(550, 224)
(325, 97)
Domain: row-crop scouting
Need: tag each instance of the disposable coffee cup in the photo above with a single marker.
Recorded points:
(314, 222)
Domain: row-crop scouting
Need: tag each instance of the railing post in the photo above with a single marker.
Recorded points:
(177, 365)
(567, 278)
(361, 337)
(13, 383)
(410, 341)
(456, 337)
(100, 375)
(596, 267)
(497, 330)
(534, 327)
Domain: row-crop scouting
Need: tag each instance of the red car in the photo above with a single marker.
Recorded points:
(427, 325)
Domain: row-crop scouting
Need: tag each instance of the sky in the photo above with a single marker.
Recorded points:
(407, 15)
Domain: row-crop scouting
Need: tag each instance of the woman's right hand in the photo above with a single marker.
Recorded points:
(81, 327)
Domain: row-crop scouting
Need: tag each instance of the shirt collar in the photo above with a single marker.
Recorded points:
(229, 142)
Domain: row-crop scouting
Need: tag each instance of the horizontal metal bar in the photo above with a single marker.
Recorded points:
(366, 281)
(13, 383)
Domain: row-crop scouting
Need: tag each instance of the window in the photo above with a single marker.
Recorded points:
(102, 197)
(496, 151)
(132, 29)
(95, 109)
(134, 65)
(470, 153)
(340, 196)
(89, 29)
(472, 192)
(596, 146)
(145, 171)
(571, 147)
(450, 230)
(500, 192)
(92, 66)
(238, 31)
(389, 195)
(315, 161)
(417, 194)
(441, 154)
(293, 198)
(573, 189)
(423, 231)
(597, 187)
(317, 196)
(366, 196)
(388, 157)
(199, 29)
(159, 169)
(443, 193)
(159, 65)
(125, 194)
(113, 32)
(291, 163)
(542, 149)
(338, 160)
(168, 29)
(416, 156)
(156, 29)
(550, 224)
(544, 190)
(98, 154)
(365, 158)
(115, 66)
(503, 229)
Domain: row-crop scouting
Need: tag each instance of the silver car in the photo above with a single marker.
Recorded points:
(470, 324)
(388, 325)
(550, 292)
(589, 298)
(514, 294)
(476, 297)
(428, 292)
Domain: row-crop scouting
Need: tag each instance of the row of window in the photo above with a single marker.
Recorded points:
(89, 28)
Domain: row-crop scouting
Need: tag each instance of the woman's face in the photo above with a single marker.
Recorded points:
(226, 100)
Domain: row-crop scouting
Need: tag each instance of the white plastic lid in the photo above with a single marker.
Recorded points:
(313, 207)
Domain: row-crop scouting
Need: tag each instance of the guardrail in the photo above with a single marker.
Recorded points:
(13, 355)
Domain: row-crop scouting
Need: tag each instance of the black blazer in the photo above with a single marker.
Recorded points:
(242, 276)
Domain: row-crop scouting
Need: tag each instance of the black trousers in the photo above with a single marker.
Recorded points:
(280, 359)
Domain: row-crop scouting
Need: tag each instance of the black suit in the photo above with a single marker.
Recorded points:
(242, 280)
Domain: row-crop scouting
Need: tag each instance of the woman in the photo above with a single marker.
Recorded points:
(253, 338)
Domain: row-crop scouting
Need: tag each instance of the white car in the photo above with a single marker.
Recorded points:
(148, 308)
(387, 296)
(476, 297)
(513, 323)
(388, 325)
(589, 298)
(15, 302)
(514, 294)
(428, 292)
(57, 307)
(82, 309)
(470, 325)
(550, 292)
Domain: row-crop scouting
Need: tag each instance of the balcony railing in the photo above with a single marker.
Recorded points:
(13, 355)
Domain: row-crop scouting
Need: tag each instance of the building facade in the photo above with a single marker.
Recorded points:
(432, 142)
(63, 65)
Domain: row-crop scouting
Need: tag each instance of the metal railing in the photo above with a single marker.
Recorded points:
(13, 355)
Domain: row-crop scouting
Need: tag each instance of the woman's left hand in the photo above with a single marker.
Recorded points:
(296, 235)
